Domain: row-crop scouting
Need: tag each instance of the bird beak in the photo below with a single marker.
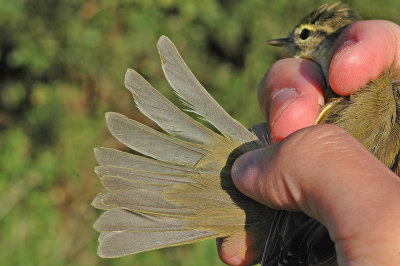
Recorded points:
(280, 42)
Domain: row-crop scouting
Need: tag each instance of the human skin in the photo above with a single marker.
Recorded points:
(321, 170)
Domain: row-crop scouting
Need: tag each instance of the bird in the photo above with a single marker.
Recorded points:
(370, 115)
(178, 189)
(314, 36)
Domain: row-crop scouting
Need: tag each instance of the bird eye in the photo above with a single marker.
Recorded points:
(305, 33)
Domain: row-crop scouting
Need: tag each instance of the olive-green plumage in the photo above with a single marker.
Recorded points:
(371, 115)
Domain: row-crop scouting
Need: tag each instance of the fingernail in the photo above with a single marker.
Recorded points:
(249, 171)
(343, 48)
(280, 101)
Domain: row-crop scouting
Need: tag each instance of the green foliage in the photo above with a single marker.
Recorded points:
(62, 65)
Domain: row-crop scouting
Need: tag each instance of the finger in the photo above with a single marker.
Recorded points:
(363, 52)
(290, 96)
(327, 174)
(286, 174)
(239, 250)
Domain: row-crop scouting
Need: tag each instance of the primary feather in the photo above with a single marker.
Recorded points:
(199, 100)
(180, 191)
(170, 118)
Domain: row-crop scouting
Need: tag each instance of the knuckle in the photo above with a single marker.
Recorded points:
(303, 150)
(313, 141)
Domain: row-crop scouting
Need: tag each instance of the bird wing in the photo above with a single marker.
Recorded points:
(179, 189)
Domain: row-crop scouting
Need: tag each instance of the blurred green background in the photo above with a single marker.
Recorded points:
(62, 65)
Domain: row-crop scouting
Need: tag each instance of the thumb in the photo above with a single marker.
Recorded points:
(283, 176)
(327, 174)
(364, 50)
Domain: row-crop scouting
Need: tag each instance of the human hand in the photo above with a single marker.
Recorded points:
(322, 170)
